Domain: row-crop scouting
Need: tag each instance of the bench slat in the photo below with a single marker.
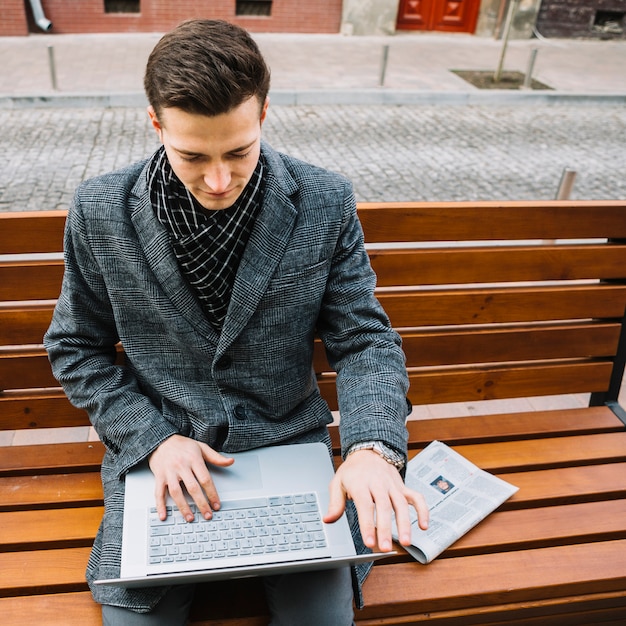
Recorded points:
(504, 530)
(505, 264)
(600, 608)
(23, 493)
(440, 307)
(511, 456)
(431, 386)
(39, 409)
(43, 571)
(41, 280)
(60, 609)
(30, 280)
(428, 385)
(567, 485)
(30, 368)
(23, 232)
(495, 344)
(24, 324)
(42, 231)
(495, 578)
(574, 484)
(452, 347)
(548, 526)
(510, 426)
(78, 609)
(435, 385)
(519, 575)
(56, 528)
(475, 221)
(25, 369)
(85, 456)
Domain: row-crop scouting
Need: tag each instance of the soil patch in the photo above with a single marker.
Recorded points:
(508, 80)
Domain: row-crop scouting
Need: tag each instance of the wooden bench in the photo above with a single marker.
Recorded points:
(494, 301)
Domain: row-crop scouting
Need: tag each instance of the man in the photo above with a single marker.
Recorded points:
(214, 263)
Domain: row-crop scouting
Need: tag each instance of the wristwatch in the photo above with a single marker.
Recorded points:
(389, 454)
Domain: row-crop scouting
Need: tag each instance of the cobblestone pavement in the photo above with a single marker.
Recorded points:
(404, 152)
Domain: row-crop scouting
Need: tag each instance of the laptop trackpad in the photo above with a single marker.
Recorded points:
(244, 473)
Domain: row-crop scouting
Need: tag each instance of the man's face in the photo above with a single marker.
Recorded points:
(214, 157)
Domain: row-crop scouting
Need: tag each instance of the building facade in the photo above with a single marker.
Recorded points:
(549, 18)
(18, 17)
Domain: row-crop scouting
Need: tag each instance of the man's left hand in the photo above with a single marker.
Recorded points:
(377, 490)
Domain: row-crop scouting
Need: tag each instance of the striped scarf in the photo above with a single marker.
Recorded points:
(207, 244)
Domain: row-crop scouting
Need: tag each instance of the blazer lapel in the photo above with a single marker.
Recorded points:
(265, 248)
(156, 245)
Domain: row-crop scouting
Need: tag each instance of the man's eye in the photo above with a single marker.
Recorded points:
(240, 156)
(189, 159)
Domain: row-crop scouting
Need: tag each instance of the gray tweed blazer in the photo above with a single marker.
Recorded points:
(304, 270)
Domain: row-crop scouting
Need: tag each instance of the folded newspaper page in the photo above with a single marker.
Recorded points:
(458, 494)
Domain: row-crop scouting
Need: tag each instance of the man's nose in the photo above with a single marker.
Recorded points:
(217, 177)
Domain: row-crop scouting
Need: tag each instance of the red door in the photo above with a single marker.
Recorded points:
(459, 16)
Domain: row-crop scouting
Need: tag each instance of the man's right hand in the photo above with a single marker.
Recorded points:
(180, 461)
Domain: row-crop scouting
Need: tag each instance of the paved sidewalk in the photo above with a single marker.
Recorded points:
(315, 69)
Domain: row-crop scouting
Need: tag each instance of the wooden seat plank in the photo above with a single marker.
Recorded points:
(543, 527)
(56, 528)
(566, 485)
(497, 344)
(475, 221)
(24, 369)
(26, 232)
(59, 609)
(510, 456)
(512, 426)
(434, 385)
(439, 307)
(85, 456)
(518, 576)
(492, 345)
(25, 323)
(47, 408)
(580, 610)
(19, 493)
(499, 264)
(30, 280)
(43, 571)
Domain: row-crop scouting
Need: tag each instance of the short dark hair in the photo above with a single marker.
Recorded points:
(207, 67)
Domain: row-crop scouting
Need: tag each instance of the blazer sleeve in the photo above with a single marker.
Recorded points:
(81, 345)
(361, 345)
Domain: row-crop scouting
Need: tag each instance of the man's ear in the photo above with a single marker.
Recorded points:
(155, 122)
(264, 109)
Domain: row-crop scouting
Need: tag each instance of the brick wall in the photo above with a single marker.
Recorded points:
(603, 19)
(13, 18)
(88, 16)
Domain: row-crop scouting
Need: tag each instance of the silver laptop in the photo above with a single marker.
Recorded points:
(270, 521)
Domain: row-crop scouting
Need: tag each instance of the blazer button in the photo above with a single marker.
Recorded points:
(240, 412)
(224, 362)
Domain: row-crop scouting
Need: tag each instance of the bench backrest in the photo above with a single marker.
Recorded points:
(493, 300)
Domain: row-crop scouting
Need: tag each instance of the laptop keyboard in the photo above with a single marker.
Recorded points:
(246, 527)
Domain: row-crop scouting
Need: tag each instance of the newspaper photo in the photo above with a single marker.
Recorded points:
(458, 494)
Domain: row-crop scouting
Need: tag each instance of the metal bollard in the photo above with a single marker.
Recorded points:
(383, 65)
(529, 70)
(52, 66)
(566, 184)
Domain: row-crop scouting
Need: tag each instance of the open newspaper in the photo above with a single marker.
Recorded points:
(458, 494)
